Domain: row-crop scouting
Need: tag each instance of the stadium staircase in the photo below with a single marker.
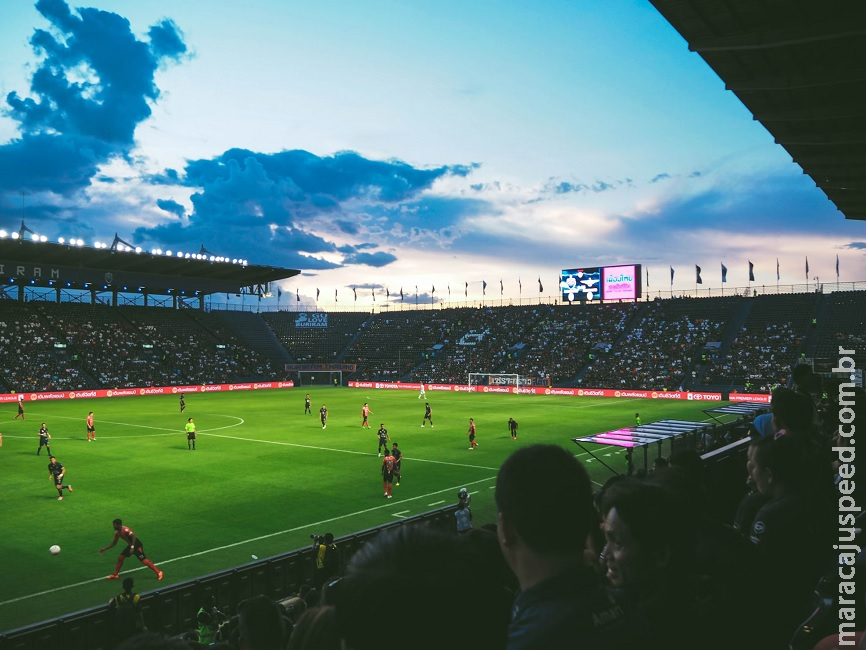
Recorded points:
(254, 331)
(734, 326)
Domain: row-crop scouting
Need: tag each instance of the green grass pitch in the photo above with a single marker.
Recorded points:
(264, 477)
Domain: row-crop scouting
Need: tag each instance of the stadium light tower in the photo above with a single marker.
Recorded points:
(118, 242)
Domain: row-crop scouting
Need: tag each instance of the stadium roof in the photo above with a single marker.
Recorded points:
(48, 264)
(798, 68)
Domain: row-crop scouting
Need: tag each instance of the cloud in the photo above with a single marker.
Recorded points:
(858, 245)
(660, 177)
(93, 86)
(173, 207)
(377, 260)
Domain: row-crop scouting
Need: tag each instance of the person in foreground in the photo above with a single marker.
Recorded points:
(562, 603)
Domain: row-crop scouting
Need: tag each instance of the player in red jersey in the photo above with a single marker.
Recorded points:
(133, 547)
(91, 428)
(471, 432)
(365, 414)
(388, 463)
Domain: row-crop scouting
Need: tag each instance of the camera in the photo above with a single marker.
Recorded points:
(317, 539)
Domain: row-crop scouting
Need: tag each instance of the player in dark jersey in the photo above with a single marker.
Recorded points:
(382, 433)
(308, 410)
(55, 473)
(44, 438)
(512, 427)
(388, 463)
(398, 462)
(20, 408)
(428, 415)
(133, 547)
(323, 415)
(471, 432)
(182, 403)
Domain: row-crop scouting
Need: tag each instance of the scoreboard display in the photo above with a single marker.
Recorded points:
(596, 283)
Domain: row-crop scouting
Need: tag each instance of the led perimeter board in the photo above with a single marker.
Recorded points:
(594, 283)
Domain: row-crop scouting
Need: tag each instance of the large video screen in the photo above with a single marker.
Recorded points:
(596, 283)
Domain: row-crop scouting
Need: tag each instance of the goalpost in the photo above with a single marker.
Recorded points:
(494, 379)
(320, 377)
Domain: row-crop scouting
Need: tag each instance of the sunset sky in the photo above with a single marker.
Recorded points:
(386, 145)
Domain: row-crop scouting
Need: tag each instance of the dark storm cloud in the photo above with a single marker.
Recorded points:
(377, 260)
(173, 207)
(94, 84)
(271, 202)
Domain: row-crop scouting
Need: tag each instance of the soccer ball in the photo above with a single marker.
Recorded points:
(54, 550)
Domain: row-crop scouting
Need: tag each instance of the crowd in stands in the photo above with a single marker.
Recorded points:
(660, 351)
(48, 346)
(642, 562)
(758, 359)
(652, 345)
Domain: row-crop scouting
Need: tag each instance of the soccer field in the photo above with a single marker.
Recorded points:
(263, 479)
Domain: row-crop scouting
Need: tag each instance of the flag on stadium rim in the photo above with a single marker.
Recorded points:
(279, 293)
(751, 271)
(483, 287)
(837, 266)
(317, 294)
(778, 277)
(672, 276)
(502, 287)
(647, 276)
(297, 295)
(466, 290)
(807, 267)
(335, 295)
(698, 275)
(520, 286)
(401, 293)
(724, 272)
(540, 286)
(433, 290)
(374, 294)
(449, 290)
(355, 291)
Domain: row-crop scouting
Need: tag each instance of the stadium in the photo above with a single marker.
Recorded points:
(229, 436)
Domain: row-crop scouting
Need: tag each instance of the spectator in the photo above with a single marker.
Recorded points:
(561, 603)
(438, 586)
(261, 625)
(126, 612)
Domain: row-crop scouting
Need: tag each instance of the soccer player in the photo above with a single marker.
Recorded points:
(398, 462)
(323, 415)
(388, 472)
(44, 437)
(637, 419)
(471, 432)
(365, 413)
(20, 409)
(190, 434)
(307, 405)
(182, 403)
(383, 439)
(423, 393)
(133, 547)
(512, 426)
(428, 415)
(55, 473)
(91, 428)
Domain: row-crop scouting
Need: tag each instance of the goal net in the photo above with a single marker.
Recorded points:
(493, 379)
(320, 377)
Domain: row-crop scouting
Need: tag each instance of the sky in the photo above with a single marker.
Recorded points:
(383, 145)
